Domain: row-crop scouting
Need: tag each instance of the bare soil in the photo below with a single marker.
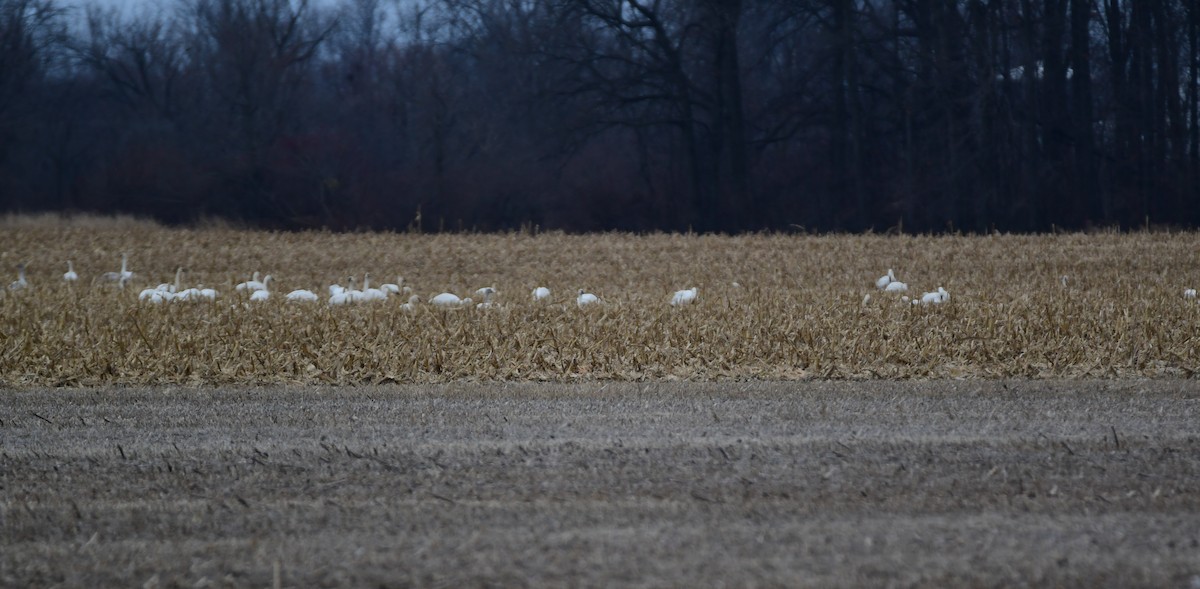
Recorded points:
(997, 483)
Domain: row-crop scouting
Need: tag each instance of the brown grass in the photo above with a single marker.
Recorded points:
(798, 314)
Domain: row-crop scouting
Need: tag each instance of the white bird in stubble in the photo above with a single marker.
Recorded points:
(123, 276)
(449, 300)
(885, 280)
(302, 295)
(1189, 293)
(397, 287)
(684, 297)
(896, 286)
(339, 295)
(263, 294)
(354, 294)
(541, 294)
(372, 294)
(412, 303)
(196, 293)
(20, 283)
(251, 285)
(70, 275)
(585, 298)
(936, 297)
(486, 293)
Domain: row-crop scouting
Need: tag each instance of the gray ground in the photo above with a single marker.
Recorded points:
(810, 484)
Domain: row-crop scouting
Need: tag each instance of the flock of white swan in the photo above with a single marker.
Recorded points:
(259, 290)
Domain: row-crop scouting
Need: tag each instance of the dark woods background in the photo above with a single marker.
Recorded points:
(718, 115)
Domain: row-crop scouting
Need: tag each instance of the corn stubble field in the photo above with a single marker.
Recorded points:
(796, 312)
(1002, 438)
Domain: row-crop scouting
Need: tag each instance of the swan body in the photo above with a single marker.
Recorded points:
(251, 285)
(411, 305)
(396, 287)
(20, 282)
(124, 275)
(540, 294)
(585, 298)
(188, 294)
(684, 297)
(207, 293)
(372, 294)
(487, 293)
(936, 297)
(354, 294)
(1189, 293)
(885, 280)
(336, 289)
(342, 297)
(449, 300)
(895, 286)
(307, 296)
(265, 293)
(70, 275)
(155, 296)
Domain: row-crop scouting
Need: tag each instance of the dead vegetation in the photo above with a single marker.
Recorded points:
(798, 312)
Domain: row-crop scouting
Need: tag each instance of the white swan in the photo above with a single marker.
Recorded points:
(161, 293)
(896, 286)
(449, 300)
(372, 294)
(302, 295)
(1189, 293)
(585, 298)
(354, 294)
(70, 275)
(171, 287)
(125, 275)
(265, 293)
(885, 280)
(20, 282)
(540, 294)
(411, 305)
(153, 295)
(188, 294)
(340, 295)
(396, 287)
(251, 285)
(487, 293)
(936, 297)
(684, 297)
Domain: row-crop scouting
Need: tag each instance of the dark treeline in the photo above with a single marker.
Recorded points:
(716, 115)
